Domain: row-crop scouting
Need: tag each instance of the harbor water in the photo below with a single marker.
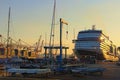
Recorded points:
(111, 73)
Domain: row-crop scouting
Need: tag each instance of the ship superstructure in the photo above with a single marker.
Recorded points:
(95, 43)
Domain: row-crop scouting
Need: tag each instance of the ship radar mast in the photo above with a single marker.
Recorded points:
(93, 27)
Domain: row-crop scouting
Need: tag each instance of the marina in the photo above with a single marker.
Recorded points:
(92, 55)
(111, 73)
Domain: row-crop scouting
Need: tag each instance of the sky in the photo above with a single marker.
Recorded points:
(32, 18)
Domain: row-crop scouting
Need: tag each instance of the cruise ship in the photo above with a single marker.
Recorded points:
(95, 43)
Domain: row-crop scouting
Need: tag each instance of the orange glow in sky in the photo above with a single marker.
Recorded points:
(32, 18)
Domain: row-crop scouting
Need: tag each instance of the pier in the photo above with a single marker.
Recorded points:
(112, 73)
(55, 48)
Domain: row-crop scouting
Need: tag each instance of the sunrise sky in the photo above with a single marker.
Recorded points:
(32, 18)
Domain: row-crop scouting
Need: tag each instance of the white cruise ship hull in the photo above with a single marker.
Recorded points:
(95, 43)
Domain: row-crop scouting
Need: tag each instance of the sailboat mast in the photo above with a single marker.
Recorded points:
(52, 26)
(8, 34)
(53, 20)
(51, 43)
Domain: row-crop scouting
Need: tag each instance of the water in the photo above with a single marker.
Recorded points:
(111, 73)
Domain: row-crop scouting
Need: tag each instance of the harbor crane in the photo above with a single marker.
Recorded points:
(38, 43)
(41, 45)
(26, 45)
(61, 24)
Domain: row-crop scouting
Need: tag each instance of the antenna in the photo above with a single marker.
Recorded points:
(45, 39)
(74, 33)
(67, 33)
(93, 27)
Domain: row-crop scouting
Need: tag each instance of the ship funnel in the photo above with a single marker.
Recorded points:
(93, 27)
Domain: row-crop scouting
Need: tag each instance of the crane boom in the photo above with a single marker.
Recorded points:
(41, 45)
(63, 21)
(38, 43)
